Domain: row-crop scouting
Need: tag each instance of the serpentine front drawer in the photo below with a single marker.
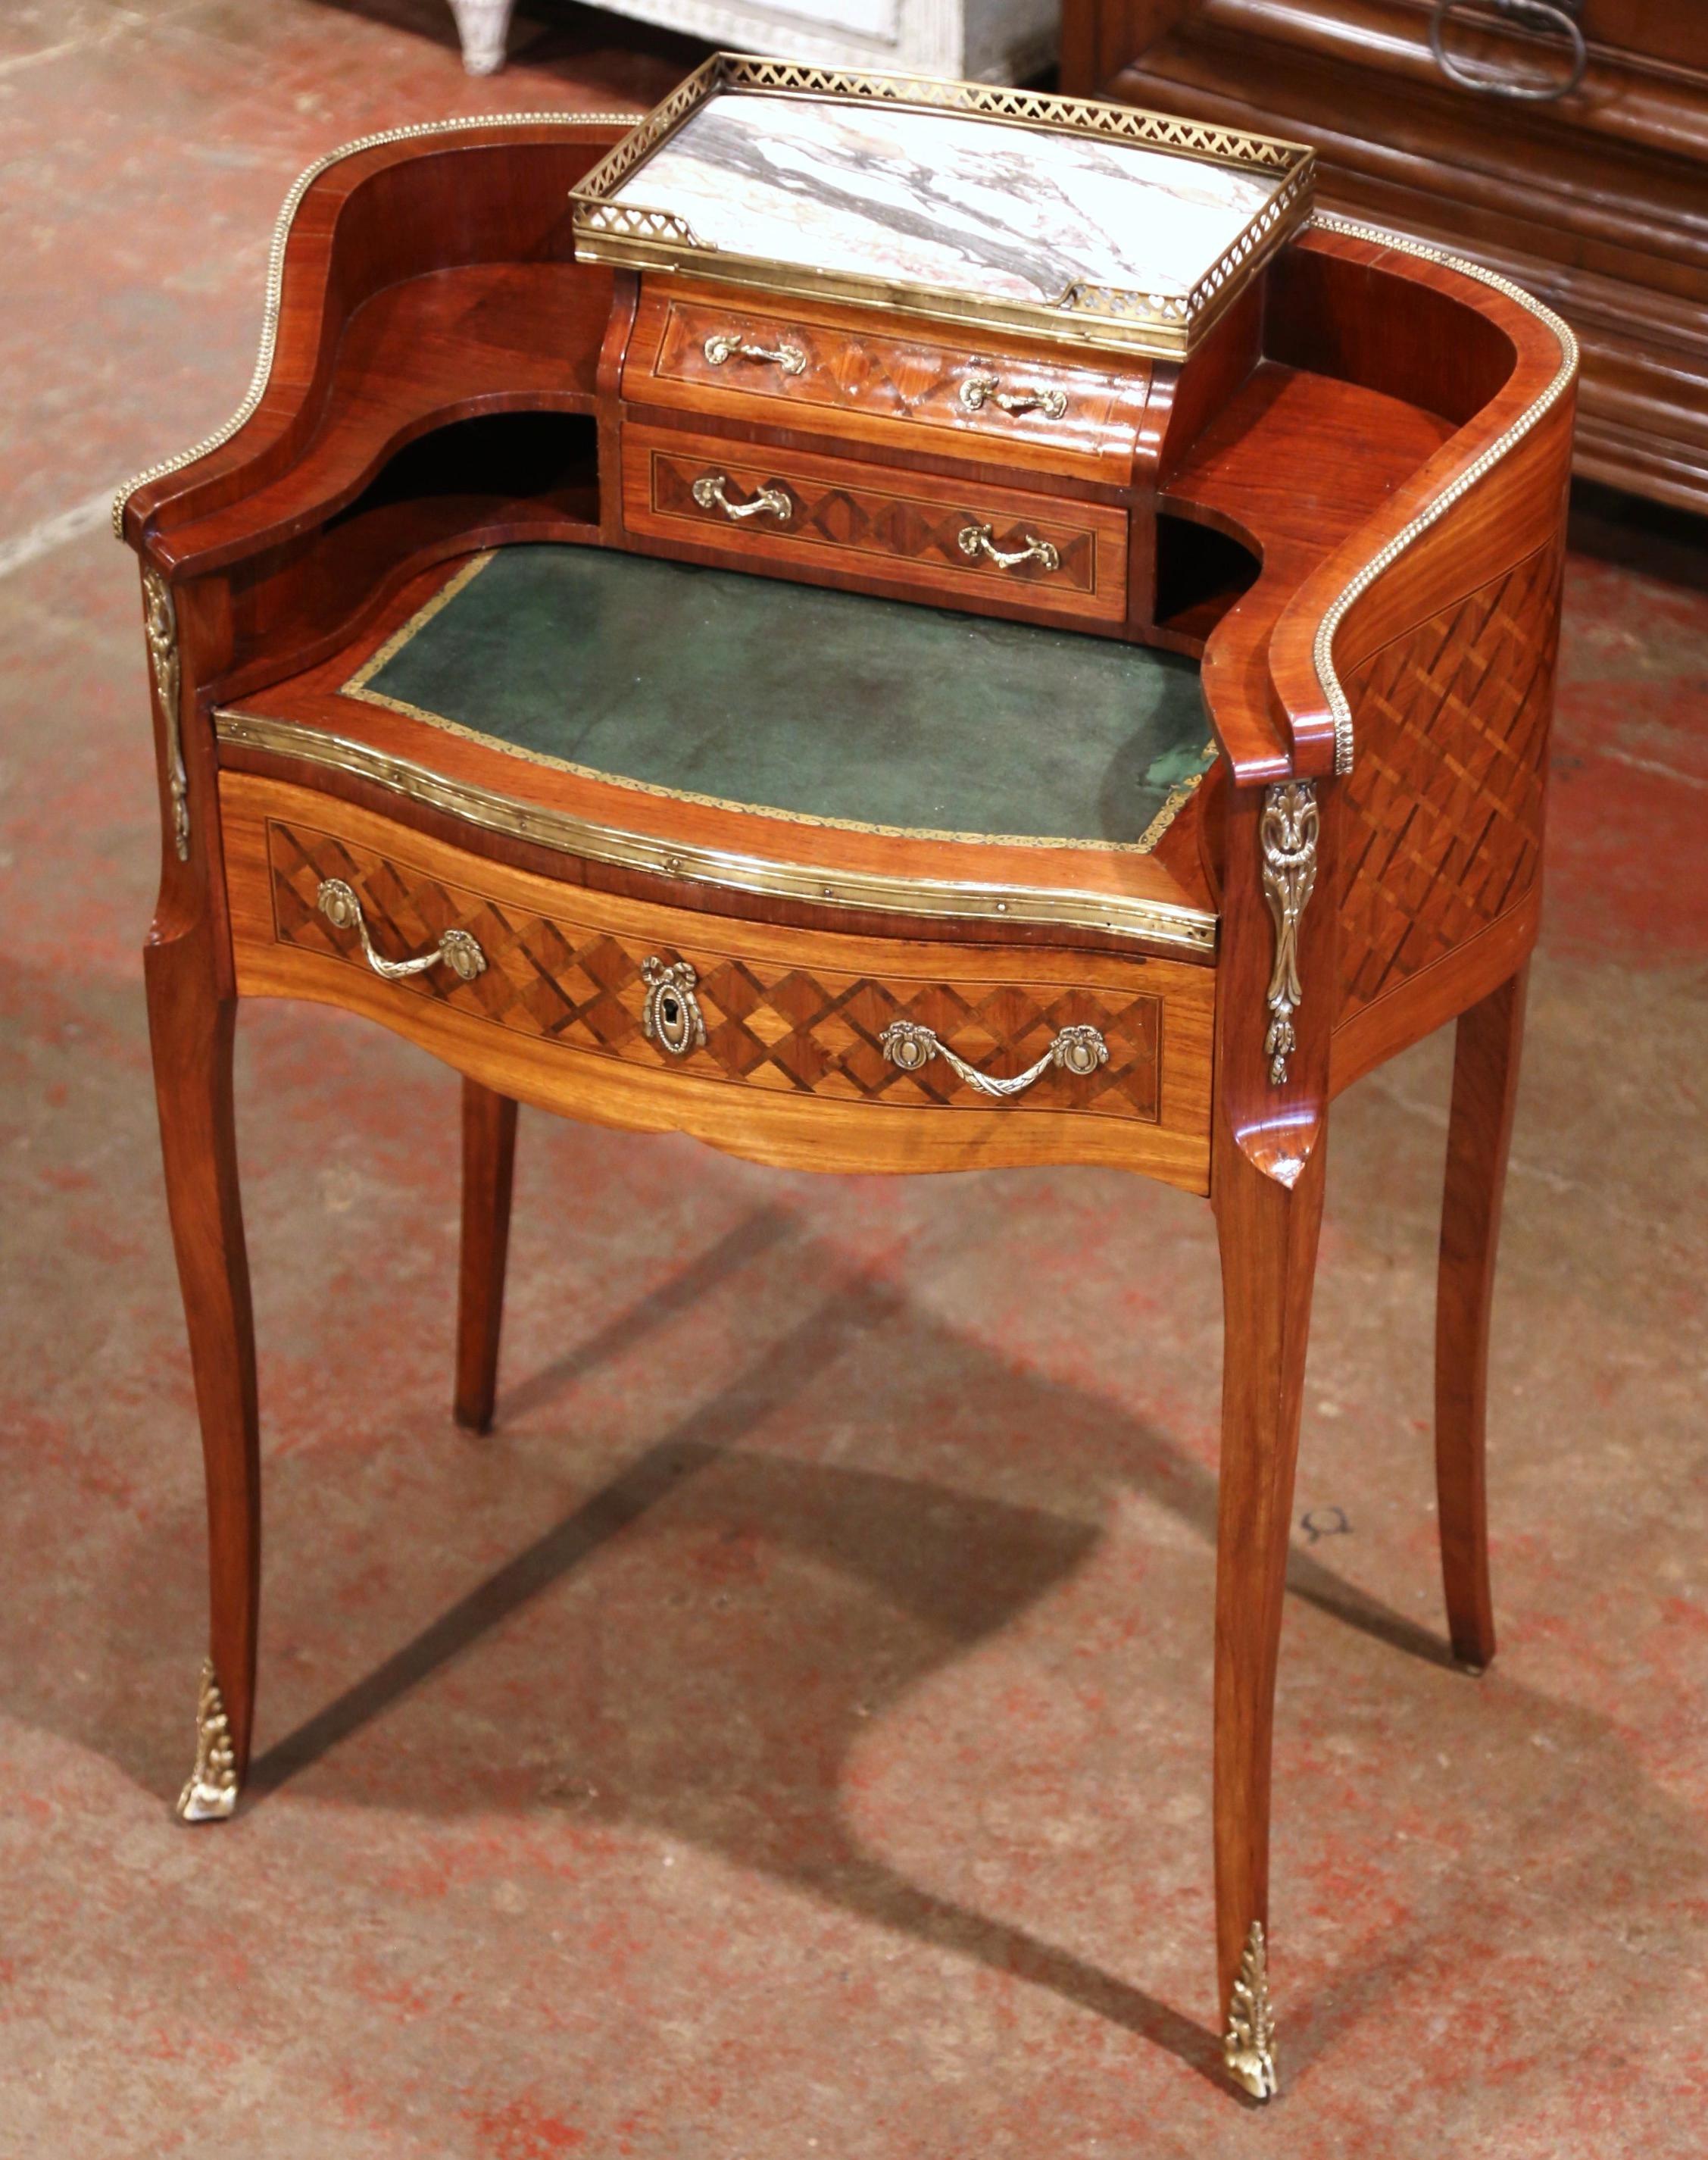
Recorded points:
(862, 525)
(833, 368)
(569, 996)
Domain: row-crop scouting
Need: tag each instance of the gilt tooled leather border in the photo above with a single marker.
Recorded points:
(358, 686)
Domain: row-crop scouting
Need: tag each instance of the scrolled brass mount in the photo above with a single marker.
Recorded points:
(210, 1795)
(1248, 2043)
(1287, 831)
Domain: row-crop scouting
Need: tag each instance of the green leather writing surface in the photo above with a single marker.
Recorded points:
(743, 689)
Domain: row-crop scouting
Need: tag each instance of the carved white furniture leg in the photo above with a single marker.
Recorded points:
(483, 26)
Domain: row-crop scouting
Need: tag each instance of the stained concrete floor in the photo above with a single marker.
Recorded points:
(787, 1735)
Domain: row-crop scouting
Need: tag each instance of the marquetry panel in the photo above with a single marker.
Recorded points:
(1442, 830)
(866, 522)
(769, 1023)
(882, 385)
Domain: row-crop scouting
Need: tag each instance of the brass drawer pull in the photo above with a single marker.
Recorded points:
(978, 391)
(457, 949)
(975, 541)
(725, 344)
(709, 491)
(672, 1016)
(1079, 1049)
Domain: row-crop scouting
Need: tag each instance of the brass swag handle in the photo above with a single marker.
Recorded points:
(709, 491)
(975, 541)
(725, 344)
(978, 391)
(457, 949)
(1079, 1049)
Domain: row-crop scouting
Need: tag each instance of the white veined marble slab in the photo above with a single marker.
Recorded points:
(965, 204)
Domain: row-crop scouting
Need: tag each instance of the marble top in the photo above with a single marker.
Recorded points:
(963, 204)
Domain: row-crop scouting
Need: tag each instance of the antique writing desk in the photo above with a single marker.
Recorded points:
(1136, 732)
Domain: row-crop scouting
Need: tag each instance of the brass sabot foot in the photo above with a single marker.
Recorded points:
(1249, 2045)
(211, 1794)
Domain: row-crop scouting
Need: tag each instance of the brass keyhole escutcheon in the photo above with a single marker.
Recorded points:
(672, 1016)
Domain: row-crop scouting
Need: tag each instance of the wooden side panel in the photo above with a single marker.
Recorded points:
(874, 528)
(791, 1069)
(1442, 813)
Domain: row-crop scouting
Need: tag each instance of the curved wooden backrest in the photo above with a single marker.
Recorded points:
(366, 218)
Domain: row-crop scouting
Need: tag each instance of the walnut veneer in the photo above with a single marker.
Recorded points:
(1347, 506)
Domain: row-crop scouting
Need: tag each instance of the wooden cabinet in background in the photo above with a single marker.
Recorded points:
(1596, 201)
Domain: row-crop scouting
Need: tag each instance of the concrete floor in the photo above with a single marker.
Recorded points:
(788, 1734)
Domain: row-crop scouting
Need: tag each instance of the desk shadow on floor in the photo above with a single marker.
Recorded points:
(906, 1574)
(948, 1570)
(732, 1614)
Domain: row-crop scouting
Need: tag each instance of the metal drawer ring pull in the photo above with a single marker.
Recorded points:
(1078, 1049)
(975, 541)
(1537, 16)
(978, 391)
(726, 344)
(456, 949)
(709, 491)
(672, 1016)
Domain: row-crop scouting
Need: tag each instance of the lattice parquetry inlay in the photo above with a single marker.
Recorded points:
(768, 1024)
(1442, 829)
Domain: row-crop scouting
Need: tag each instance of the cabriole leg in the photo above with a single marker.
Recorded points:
(489, 1164)
(1485, 1087)
(1268, 1232)
(191, 1029)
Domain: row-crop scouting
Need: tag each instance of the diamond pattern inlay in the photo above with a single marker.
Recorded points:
(768, 1025)
(1443, 825)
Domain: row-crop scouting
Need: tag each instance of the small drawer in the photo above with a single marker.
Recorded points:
(699, 356)
(864, 525)
(760, 1036)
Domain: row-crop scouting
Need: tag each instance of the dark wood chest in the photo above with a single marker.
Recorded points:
(1596, 201)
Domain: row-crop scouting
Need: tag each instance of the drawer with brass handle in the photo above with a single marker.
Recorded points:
(981, 389)
(745, 358)
(935, 538)
(455, 948)
(723, 346)
(334, 901)
(711, 492)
